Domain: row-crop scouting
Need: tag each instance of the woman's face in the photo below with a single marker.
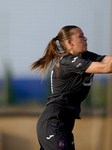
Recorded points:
(78, 42)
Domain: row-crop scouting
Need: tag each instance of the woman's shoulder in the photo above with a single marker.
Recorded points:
(69, 58)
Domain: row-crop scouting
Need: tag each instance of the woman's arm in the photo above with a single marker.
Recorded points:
(103, 67)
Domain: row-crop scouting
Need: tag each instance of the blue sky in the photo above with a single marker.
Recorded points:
(26, 27)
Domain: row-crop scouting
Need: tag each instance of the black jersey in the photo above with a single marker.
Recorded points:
(72, 85)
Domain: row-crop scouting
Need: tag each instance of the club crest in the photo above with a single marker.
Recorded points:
(61, 144)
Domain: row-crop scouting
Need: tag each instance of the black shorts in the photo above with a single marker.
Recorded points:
(54, 129)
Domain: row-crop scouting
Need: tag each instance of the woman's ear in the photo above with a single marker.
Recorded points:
(69, 43)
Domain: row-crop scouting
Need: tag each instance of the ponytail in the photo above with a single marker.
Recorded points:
(51, 55)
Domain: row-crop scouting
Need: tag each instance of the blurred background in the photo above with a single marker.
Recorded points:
(26, 27)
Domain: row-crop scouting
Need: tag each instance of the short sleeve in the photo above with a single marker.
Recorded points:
(76, 64)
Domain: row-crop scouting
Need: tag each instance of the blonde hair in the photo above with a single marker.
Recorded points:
(53, 51)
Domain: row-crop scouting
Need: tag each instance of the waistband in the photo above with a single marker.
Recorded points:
(69, 108)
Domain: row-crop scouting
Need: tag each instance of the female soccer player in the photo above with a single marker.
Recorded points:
(71, 77)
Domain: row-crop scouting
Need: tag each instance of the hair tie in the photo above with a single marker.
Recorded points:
(56, 38)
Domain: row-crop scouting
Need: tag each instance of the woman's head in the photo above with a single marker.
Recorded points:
(72, 39)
